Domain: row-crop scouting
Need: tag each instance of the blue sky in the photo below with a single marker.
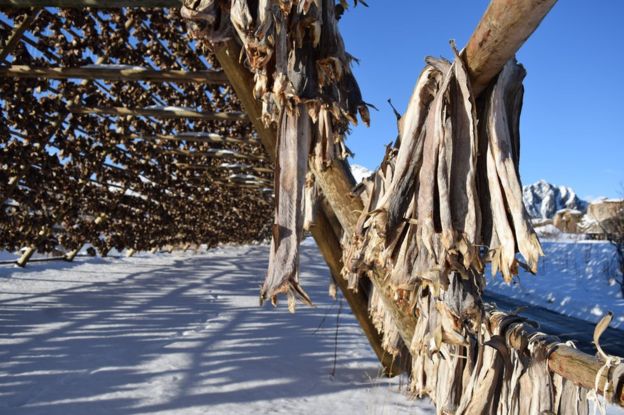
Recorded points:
(573, 116)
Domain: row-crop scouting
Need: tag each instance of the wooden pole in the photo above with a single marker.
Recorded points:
(326, 236)
(130, 252)
(17, 34)
(165, 112)
(98, 4)
(214, 153)
(503, 29)
(114, 74)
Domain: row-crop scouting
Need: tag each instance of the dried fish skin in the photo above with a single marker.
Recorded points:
(293, 150)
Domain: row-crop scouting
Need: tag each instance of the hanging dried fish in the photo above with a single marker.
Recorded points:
(511, 225)
(292, 152)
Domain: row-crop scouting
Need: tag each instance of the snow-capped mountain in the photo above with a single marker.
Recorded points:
(543, 200)
(360, 172)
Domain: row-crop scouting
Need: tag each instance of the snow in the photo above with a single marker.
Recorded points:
(360, 172)
(576, 278)
(181, 333)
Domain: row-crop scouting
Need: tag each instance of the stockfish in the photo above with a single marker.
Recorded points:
(303, 78)
(292, 151)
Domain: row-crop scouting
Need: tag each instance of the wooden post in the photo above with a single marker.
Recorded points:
(130, 252)
(21, 262)
(502, 30)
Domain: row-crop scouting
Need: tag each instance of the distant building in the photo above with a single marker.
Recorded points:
(604, 217)
(568, 220)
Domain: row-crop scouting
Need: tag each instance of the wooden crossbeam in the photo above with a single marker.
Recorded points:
(198, 137)
(502, 30)
(188, 166)
(214, 153)
(98, 4)
(165, 112)
(110, 73)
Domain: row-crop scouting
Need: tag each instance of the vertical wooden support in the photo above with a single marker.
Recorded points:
(130, 252)
(21, 262)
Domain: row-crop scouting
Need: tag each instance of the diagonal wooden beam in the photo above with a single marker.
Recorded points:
(17, 34)
(502, 30)
(111, 73)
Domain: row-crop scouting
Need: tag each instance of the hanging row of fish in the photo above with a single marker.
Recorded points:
(446, 200)
(448, 197)
(303, 78)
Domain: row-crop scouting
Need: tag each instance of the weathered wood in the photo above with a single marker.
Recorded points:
(98, 4)
(502, 30)
(198, 138)
(228, 54)
(72, 254)
(337, 183)
(114, 74)
(223, 167)
(166, 112)
(572, 364)
(17, 35)
(215, 153)
(23, 260)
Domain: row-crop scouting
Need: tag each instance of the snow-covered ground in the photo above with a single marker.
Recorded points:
(575, 278)
(181, 334)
